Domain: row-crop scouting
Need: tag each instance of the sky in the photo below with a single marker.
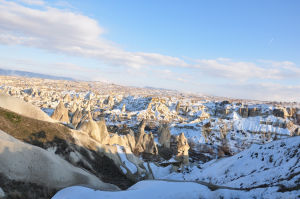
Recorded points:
(240, 49)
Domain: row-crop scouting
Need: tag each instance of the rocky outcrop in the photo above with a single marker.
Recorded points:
(96, 130)
(177, 108)
(206, 129)
(67, 98)
(23, 108)
(182, 150)
(31, 164)
(127, 140)
(164, 135)
(76, 118)
(123, 158)
(61, 113)
(298, 117)
(73, 108)
(285, 112)
(294, 129)
(250, 112)
(123, 108)
(110, 101)
(145, 142)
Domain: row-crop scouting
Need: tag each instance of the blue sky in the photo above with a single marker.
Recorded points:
(241, 49)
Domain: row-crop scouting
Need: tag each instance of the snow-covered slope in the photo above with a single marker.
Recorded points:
(166, 190)
(273, 164)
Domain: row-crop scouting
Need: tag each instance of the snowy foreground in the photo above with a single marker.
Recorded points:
(175, 190)
(262, 171)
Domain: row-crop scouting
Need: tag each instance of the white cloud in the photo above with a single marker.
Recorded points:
(263, 91)
(33, 2)
(68, 32)
(241, 71)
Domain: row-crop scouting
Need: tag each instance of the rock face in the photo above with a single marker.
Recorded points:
(96, 130)
(177, 108)
(298, 117)
(127, 140)
(123, 108)
(73, 108)
(76, 118)
(23, 108)
(145, 142)
(67, 98)
(61, 113)
(164, 135)
(36, 165)
(110, 101)
(122, 156)
(182, 149)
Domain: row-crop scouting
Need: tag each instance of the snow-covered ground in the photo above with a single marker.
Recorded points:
(262, 171)
(167, 190)
(273, 164)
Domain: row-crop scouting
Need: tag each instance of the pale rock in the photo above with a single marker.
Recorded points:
(36, 165)
(76, 118)
(145, 142)
(67, 98)
(182, 149)
(123, 108)
(61, 113)
(164, 135)
(96, 130)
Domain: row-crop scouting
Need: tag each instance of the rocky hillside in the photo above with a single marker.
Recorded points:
(244, 148)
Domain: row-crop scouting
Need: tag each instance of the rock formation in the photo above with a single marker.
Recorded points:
(182, 150)
(61, 113)
(31, 164)
(164, 135)
(23, 108)
(73, 108)
(145, 142)
(96, 130)
(177, 107)
(206, 129)
(123, 108)
(109, 101)
(67, 98)
(76, 118)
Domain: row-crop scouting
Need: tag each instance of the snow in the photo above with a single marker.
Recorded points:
(252, 124)
(159, 172)
(48, 111)
(132, 168)
(135, 103)
(151, 189)
(2, 194)
(271, 164)
(123, 169)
